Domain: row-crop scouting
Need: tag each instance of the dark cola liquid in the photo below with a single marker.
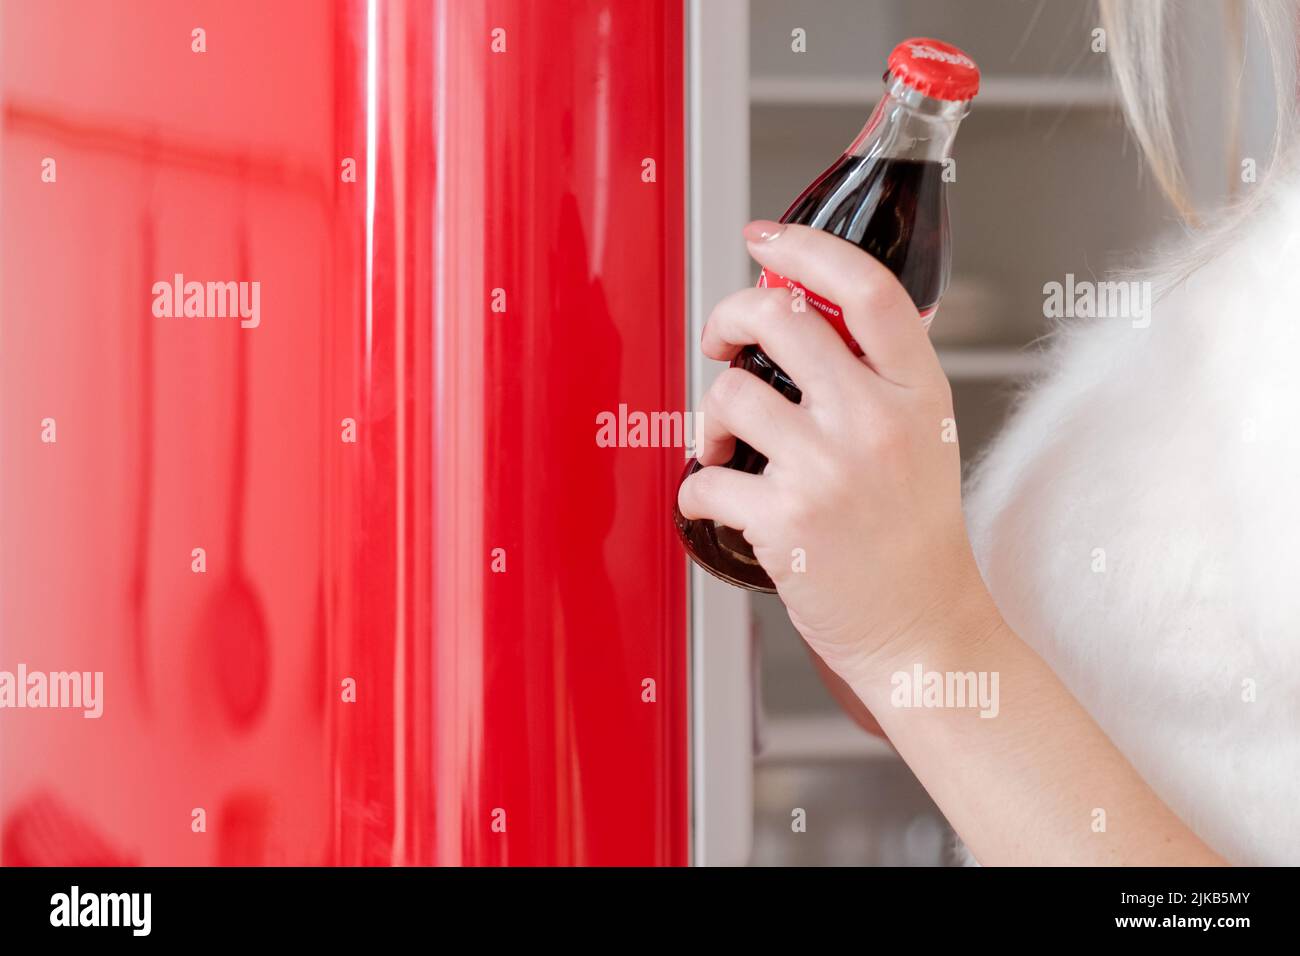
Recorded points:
(896, 210)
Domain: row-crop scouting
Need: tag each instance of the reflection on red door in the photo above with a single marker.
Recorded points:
(361, 583)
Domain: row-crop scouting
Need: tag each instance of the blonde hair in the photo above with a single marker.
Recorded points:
(1141, 59)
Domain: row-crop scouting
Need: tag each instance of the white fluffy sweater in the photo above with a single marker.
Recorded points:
(1138, 523)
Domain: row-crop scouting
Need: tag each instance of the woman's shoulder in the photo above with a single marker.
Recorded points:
(1193, 353)
(1137, 523)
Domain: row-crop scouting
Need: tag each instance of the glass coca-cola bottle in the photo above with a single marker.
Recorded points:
(886, 195)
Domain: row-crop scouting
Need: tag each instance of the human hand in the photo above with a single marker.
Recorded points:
(857, 517)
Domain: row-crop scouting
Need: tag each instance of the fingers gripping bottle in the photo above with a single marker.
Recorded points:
(886, 195)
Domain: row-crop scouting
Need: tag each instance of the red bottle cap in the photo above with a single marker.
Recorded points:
(936, 69)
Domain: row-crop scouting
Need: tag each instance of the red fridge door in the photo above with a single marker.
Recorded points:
(309, 312)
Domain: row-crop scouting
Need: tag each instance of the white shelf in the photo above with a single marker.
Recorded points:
(997, 92)
(819, 739)
(988, 364)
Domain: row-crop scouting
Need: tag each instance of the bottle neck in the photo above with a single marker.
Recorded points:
(907, 124)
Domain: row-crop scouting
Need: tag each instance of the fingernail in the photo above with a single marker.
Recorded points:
(763, 230)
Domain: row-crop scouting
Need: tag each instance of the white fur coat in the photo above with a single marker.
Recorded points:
(1138, 523)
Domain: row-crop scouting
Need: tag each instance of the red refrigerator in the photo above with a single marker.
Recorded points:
(311, 315)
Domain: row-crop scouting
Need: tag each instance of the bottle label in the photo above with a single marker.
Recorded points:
(832, 312)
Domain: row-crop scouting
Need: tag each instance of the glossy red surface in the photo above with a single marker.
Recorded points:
(476, 691)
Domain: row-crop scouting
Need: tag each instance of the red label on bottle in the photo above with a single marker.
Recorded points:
(832, 312)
